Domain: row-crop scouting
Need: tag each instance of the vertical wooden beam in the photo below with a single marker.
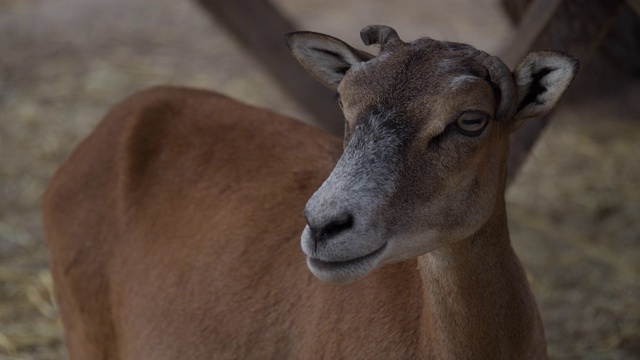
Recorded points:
(259, 28)
(576, 27)
(634, 5)
(515, 9)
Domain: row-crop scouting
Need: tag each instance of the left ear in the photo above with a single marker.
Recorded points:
(541, 78)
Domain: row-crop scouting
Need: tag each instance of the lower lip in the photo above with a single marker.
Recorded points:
(335, 265)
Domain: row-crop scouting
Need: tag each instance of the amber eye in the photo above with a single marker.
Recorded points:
(472, 123)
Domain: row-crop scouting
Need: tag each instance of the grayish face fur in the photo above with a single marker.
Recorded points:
(425, 153)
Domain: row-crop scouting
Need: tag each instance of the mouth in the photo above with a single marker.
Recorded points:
(355, 265)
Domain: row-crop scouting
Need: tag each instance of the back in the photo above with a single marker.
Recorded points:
(182, 207)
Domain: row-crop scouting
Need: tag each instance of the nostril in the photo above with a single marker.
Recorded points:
(334, 227)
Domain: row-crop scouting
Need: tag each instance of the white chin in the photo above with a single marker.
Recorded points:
(344, 272)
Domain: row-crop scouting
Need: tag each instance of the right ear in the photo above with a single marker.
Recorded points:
(541, 78)
(326, 58)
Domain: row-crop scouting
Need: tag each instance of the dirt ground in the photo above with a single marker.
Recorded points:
(573, 210)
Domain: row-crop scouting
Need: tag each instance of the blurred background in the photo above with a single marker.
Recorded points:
(573, 208)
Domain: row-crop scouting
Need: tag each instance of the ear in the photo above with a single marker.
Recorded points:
(326, 58)
(541, 78)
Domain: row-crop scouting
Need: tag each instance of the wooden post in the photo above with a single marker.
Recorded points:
(576, 27)
(260, 28)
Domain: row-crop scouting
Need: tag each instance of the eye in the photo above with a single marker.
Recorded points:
(472, 123)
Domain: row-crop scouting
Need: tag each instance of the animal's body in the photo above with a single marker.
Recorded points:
(174, 228)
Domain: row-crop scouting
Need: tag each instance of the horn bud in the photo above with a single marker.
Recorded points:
(378, 34)
(502, 77)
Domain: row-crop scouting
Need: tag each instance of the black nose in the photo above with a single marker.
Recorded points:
(332, 228)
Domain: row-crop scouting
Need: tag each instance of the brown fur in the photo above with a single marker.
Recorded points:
(156, 254)
(169, 241)
(174, 228)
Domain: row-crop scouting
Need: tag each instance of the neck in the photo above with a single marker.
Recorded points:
(477, 299)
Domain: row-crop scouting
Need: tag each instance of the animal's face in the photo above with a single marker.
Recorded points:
(426, 142)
